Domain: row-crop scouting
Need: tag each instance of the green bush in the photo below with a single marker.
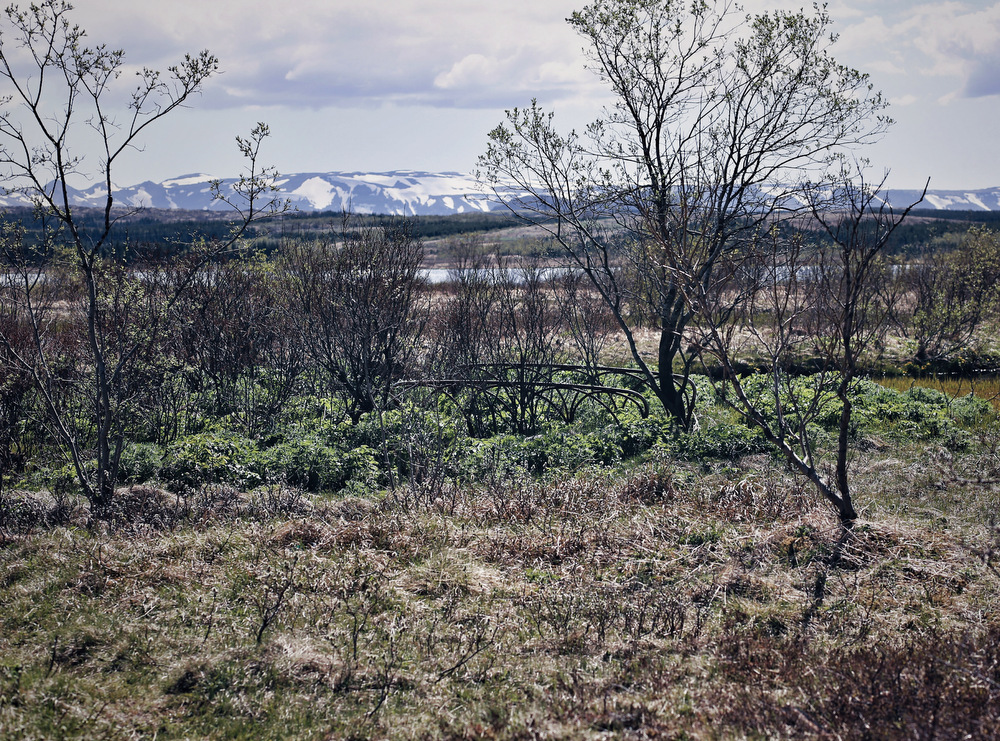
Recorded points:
(565, 450)
(140, 462)
(916, 413)
(63, 481)
(499, 457)
(212, 458)
(361, 465)
(410, 440)
(970, 409)
(310, 464)
(797, 392)
(638, 435)
(723, 441)
(927, 396)
(307, 462)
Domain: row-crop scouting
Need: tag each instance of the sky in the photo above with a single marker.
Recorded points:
(383, 85)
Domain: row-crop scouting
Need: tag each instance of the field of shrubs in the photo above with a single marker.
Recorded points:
(398, 577)
(309, 495)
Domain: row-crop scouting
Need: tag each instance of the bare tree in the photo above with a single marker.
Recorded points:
(522, 346)
(462, 325)
(58, 107)
(832, 301)
(713, 112)
(236, 331)
(464, 331)
(587, 319)
(498, 339)
(359, 300)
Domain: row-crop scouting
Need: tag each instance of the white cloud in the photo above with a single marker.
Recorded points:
(561, 73)
(316, 53)
(457, 53)
(955, 41)
(473, 70)
(886, 67)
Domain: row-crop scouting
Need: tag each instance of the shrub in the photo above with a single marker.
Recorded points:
(725, 441)
(638, 435)
(567, 451)
(211, 458)
(310, 464)
(140, 462)
(970, 409)
(918, 412)
(928, 396)
(497, 458)
(307, 463)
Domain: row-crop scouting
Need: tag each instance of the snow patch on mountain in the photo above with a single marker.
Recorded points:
(189, 180)
(317, 192)
(975, 199)
(403, 193)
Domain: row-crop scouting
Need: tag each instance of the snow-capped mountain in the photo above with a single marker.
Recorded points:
(403, 193)
(987, 199)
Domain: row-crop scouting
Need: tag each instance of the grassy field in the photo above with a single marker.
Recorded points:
(985, 387)
(661, 597)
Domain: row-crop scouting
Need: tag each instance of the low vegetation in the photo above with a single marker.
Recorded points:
(349, 504)
(398, 578)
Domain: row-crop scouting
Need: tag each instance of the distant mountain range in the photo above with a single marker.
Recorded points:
(403, 193)
(987, 199)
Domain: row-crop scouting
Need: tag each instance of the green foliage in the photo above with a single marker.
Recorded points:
(565, 450)
(637, 435)
(920, 413)
(970, 409)
(307, 461)
(556, 451)
(310, 464)
(62, 481)
(809, 398)
(211, 458)
(722, 441)
(141, 462)
(497, 458)
(410, 440)
(416, 441)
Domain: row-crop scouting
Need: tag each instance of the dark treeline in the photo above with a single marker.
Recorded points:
(309, 224)
(137, 236)
(971, 217)
(160, 233)
(927, 228)
(163, 233)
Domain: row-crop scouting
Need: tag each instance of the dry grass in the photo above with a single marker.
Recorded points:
(666, 601)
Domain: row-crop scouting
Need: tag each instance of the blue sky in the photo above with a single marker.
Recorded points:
(417, 84)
